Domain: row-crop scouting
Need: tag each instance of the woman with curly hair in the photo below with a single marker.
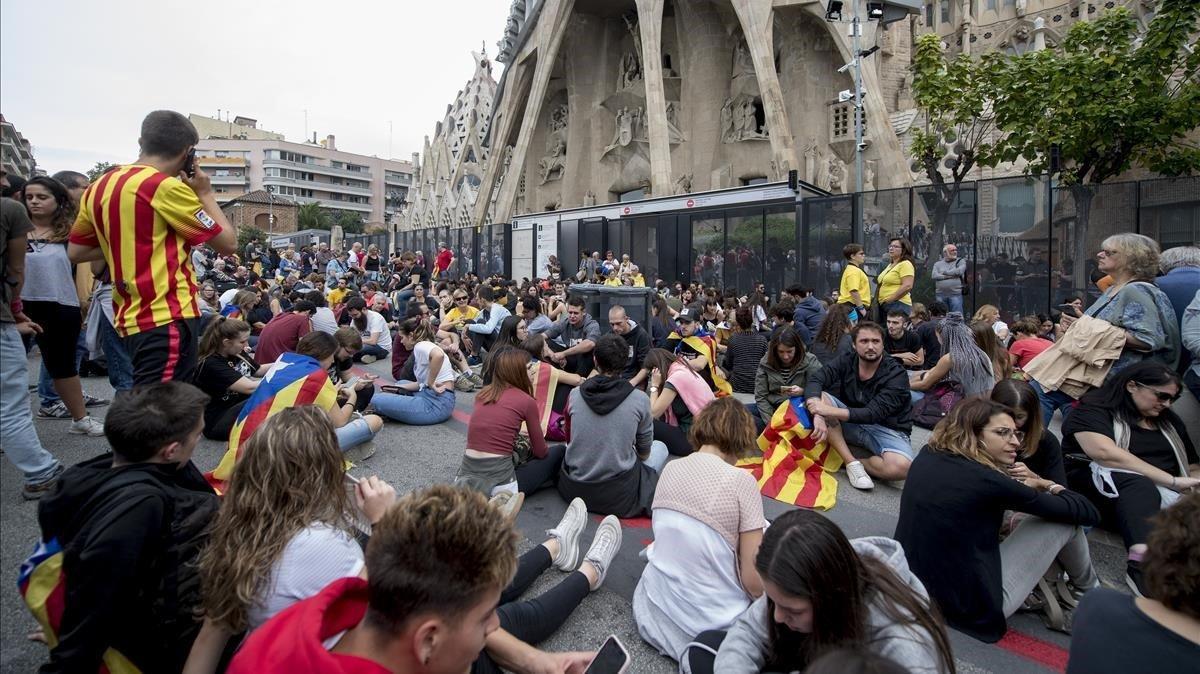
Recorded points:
(284, 531)
(50, 300)
(833, 334)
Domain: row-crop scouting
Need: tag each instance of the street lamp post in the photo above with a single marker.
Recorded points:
(270, 211)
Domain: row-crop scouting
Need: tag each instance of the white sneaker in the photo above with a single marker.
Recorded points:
(369, 359)
(87, 426)
(508, 503)
(567, 532)
(605, 545)
(858, 476)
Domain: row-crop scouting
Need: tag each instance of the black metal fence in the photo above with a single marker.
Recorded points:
(1029, 244)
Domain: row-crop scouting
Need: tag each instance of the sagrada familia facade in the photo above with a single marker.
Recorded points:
(605, 100)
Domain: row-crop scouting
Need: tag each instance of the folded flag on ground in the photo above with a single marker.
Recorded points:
(794, 468)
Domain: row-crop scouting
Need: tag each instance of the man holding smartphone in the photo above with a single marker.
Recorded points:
(143, 219)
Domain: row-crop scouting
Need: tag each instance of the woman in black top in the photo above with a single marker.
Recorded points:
(226, 372)
(745, 349)
(954, 501)
(1115, 633)
(1130, 454)
(1041, 453)
(833, 334)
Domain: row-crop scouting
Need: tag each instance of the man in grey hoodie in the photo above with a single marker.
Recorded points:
(612, 461)
(574, 336)
(949, 275)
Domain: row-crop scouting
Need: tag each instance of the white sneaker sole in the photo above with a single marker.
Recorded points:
(609, 522)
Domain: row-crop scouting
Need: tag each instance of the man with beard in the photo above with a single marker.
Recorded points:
(862, 399)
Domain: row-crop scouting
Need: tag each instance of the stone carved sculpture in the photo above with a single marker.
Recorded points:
(743, 81)
(555, 160)
(727, 130)
(739, 121)
(869, 175)
(683, 184)
(589, 198)
(673, 131)
(631, 71)
(836, 176)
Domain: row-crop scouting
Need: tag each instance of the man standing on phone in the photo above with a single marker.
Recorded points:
(143, 220)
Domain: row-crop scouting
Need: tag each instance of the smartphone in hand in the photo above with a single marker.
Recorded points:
(189, 164)
(612, 658)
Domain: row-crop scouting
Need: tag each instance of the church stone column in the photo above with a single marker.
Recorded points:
(755, 19)
(650, 25)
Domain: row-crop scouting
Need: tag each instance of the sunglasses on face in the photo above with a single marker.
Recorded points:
(1162, 396)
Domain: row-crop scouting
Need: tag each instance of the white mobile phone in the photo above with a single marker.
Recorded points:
(612, 658)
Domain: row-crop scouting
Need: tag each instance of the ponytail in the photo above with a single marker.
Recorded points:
(220, 329)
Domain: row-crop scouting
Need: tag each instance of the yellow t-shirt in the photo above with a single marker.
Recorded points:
(455, 315)
(612, 281)
(639, 281)
(889, 280)
(854, 278)
(335, 296)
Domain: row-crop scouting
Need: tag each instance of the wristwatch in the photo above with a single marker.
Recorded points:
(654, 389)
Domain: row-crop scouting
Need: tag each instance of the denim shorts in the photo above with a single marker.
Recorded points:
(877, 438)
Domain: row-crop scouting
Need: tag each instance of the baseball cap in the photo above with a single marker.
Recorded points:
(686, 315)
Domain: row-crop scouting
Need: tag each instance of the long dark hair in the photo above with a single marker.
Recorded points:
(508, 332)
(64, 207)
(790, 338)
(833, 326)
(662, 360)
(1115, 399)
(508, 371)
(808, 556)
(1020, 396)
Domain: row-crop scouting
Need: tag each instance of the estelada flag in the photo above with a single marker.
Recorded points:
(795, 468)
(292, 381)
(544, 378)
(43, 586)
(706, 345)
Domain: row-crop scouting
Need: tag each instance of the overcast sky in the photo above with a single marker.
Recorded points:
(77, 77)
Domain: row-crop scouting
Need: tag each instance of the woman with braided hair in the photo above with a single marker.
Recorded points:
(962, 361)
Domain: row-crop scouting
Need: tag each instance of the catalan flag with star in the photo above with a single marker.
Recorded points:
(293, 380)
(794, 468)
(706, 345)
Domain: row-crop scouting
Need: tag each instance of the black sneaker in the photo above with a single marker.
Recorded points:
(1133, 578)
(33, 492)
(93, 401)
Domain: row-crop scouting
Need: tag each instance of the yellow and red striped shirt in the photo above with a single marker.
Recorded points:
(146, 222)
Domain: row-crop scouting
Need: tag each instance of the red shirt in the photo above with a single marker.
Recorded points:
(292, 640)
(1025, 350)
(281, 334)
(494, 426)
(443, 260)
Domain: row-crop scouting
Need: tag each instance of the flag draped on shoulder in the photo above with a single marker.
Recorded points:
(706, 345)
(292, 381)
(794, 468)
(544, 377)
(43, 586)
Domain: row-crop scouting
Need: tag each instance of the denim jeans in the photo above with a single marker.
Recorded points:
(375, 350)
(423, 408)
(1030, 549)
(1051, 401)
(353, 434)
(17, 434)
(953, 302)
(120, 368)
(658, 456)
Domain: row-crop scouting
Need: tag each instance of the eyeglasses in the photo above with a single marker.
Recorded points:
(1007, 433)
(460, 299)
(1162, 396)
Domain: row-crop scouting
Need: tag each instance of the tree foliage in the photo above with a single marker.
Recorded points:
(247, 232)
(349, 221)
(312, 216)
(98, 170)
(1109, 98)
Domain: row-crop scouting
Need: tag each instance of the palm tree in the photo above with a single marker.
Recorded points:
(312, 216)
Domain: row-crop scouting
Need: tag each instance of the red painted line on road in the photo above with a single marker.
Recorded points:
(629, 522)
(461, 416)
(1032, 648)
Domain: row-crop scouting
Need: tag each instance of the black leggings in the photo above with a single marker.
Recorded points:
(535, 620)
(701, 660)
(537, 473)
(673, 437)
(363, 398)
(1129, 514)
(60, 334)
(223, 425)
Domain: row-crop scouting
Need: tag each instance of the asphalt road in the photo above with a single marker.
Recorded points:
(412, 457)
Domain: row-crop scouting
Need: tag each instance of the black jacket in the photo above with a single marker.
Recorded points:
(639, 346)
(130, 537)
(883, 399)
(950, 516)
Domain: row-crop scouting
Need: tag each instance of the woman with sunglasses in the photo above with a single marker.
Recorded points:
(955, 499)
(1130, 454)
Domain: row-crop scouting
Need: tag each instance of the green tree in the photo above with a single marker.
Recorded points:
(247, 232)
(349, 221)
(312, 216)
(1111, 97)
(98, 170)
(959, 128)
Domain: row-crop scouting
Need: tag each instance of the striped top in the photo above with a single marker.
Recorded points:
(146, 222)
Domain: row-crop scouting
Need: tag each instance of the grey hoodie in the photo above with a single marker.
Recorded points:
(746, 644)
